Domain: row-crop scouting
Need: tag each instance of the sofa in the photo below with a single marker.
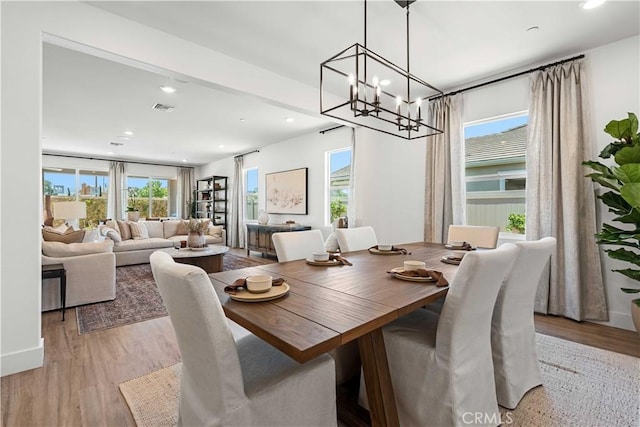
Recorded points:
(135, 241)
(90, 270)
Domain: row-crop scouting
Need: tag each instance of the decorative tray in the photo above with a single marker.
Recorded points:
(274, 293)
(379, 252)
(397, 273)
(329, 263)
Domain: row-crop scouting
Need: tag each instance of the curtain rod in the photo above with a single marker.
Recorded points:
(540, 68)
(330, 129)
(117, 160)
(244, 154)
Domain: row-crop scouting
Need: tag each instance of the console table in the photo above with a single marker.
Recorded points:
(53, 271)
(259, 236)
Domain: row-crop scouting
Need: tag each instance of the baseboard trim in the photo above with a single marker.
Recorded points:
(618, 320)
(23, 360)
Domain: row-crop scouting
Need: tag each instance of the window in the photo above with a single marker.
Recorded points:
(339, 172)
(150, 196)
(495, 169)
(251, 194)
(83, 185)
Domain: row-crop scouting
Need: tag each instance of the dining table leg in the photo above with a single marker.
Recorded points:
(382, 404)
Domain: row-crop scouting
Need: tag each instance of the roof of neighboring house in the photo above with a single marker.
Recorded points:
(504, 145)
(342, 172)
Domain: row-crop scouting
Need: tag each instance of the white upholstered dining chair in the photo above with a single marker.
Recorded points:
(441, 366)
(480, 236)
(513, 337)
(291, 246)
(241, 383)
(356, 239)
(300, 245)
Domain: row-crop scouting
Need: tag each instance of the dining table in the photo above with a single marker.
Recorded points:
(329, 306)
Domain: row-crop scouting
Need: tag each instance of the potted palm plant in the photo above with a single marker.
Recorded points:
(623, 198)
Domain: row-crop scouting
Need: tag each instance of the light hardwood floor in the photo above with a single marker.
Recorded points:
(78, 384)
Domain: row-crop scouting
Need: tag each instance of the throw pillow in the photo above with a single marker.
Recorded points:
(112, 234)
(215, 230)
(112, 224)
(125, 231)
(68, 237)
(183, 228)
(331, 245)
(138, 230)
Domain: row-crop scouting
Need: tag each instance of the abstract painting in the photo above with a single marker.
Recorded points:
(287, 192)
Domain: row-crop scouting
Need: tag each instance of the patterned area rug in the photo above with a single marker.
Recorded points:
(582, 386)
(137, 297)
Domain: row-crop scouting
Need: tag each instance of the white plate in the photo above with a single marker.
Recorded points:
(328, 263)
(273, 293)
(394, 272)
(199, 249)
(448, 260)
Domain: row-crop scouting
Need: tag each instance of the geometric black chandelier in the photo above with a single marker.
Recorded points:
(361, 87)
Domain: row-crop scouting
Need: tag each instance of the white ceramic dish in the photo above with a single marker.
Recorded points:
(395, 273)
(384, 248)
(320, 256)
(413, 265)
(448, 260)
(259, 284)
(274, 293)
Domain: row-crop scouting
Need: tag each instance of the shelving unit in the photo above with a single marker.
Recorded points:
(212, 198)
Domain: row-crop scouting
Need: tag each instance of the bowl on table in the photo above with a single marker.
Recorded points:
(258, 284)
(384, 247)
(320, 256)
(414, 265)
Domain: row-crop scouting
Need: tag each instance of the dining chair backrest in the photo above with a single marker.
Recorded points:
(477, 235)
(211, 372)
(513, 338)
(464, 327)
(356, 239)
(291, 246)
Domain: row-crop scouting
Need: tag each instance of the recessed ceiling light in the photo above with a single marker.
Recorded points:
(289, 119)
(221, 146)
(110, 153)
(167, 89)
(128, 132)
(184, 160)
(591, 4)
(385, 82)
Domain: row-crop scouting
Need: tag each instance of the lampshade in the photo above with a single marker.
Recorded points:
(70, 210)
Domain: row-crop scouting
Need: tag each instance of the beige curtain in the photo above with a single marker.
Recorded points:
(236, 228)
(117, 193)
(560, 200)
(186, 186)
(444, 180)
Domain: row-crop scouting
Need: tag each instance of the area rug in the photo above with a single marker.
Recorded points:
(137, 297)
(582, 386)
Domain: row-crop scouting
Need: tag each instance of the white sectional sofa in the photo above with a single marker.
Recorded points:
(161, 234)
(90, 269)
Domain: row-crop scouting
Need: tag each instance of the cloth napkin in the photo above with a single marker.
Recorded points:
(242, 283)
(466, 246)
(421, 272)
(340, 259)
(394, 249)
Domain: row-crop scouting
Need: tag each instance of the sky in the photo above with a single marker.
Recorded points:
(495, 126)
(67, 178)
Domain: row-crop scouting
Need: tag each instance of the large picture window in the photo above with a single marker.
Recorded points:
(251, 194)
(150, 196)
(495, 171)
(338, 172)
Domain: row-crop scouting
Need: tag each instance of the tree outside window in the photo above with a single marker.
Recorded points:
(339, 166)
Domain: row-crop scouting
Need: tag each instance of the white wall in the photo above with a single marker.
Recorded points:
(24, 24)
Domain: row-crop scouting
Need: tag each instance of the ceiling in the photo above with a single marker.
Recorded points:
(89, 101)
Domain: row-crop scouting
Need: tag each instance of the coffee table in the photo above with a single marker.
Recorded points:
(209, 259)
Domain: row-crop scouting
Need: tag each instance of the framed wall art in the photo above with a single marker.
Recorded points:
(287, 192)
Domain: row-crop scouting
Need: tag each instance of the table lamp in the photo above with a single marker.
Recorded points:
(71, 212)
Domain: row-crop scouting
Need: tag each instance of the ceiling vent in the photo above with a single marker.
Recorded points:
(116, 144)
(162, 107)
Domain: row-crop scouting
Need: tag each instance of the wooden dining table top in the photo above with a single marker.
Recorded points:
(328, 306)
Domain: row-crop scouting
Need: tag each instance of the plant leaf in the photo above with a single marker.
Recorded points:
(630, 290)
(624, 255)
(629, 172)
(628, 154)
(630, 273)
(600, 179)
(633, 124)
(616, 202)
(619, 129)
(597, 166)
(632, 217)
(631, 193)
